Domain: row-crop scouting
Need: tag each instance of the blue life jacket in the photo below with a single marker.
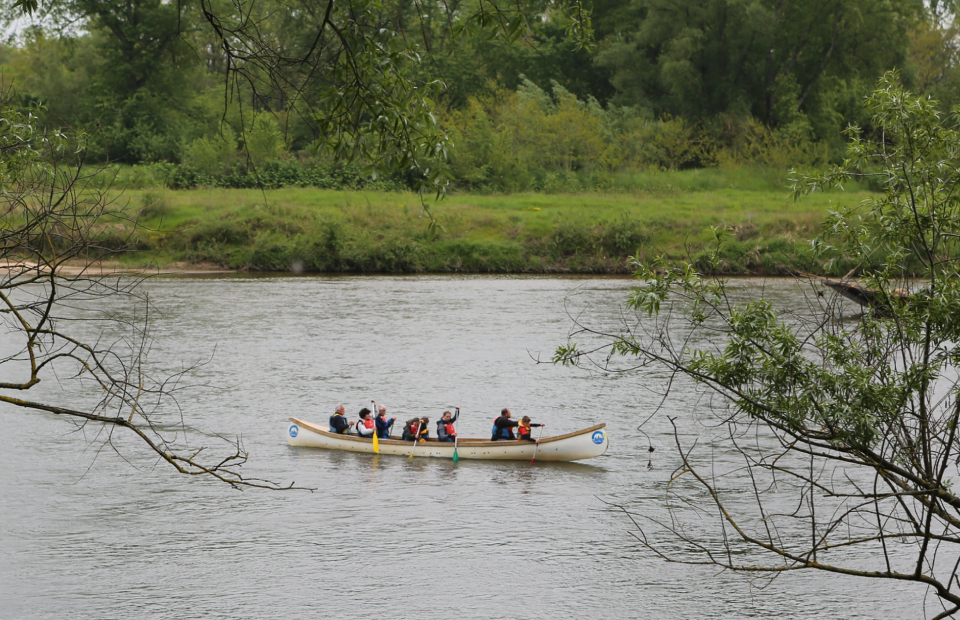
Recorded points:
(499, 433)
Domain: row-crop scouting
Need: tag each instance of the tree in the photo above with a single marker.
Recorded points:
(852, 421)
(782, 61)
(349, 66)
(56, 225)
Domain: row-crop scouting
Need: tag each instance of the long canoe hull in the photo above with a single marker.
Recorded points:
(576, 446)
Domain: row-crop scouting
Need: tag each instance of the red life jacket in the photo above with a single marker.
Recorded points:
(414, 429)
(450, 428)
(523, 431)
(367, 423)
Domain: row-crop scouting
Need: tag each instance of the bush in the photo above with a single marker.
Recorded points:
(279, 174)
(154, 206)
(210, 156)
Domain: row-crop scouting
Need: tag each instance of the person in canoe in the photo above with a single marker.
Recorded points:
(446, 431)
(366, 427)
(416, 428)
(524, 429)
(383, 423)
(503, 426)
(339, 423)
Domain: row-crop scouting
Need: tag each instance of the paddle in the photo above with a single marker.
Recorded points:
(376, 440)
(456, 436)
(537, 447)
(415, 440)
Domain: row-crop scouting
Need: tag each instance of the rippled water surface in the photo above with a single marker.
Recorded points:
(88, 533)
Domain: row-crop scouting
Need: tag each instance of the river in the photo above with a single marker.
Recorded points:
(90, 533)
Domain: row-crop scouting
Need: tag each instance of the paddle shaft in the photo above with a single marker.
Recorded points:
(456, 435)
(415, 440)
(537, 446)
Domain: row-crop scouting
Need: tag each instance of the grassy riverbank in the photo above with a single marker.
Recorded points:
(334, 231)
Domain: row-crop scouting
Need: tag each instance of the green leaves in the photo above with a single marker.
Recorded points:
(27, 6)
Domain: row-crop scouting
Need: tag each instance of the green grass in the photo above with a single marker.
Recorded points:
(326, 230)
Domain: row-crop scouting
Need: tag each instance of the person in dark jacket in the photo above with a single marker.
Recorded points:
(339, 423)
(384, 424)
(503, 426)
(445, 428)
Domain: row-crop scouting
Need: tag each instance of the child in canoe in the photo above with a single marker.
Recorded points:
(416, 428)
(524, 429)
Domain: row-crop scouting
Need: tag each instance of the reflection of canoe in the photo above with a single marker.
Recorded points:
(585, 444)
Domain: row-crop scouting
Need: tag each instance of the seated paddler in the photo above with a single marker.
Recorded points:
(410, 429)
(384, 424)
(446, 431)
(524, 429)
(503, 426)
(366, 427)
(416, 428)
(339, 423)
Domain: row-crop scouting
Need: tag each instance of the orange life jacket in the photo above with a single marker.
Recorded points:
(368, 423)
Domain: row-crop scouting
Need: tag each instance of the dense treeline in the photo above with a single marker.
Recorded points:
(666, 84)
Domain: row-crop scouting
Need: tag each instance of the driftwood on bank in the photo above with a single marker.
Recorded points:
(868, 297)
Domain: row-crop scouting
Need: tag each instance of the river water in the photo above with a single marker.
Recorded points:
(88, 532)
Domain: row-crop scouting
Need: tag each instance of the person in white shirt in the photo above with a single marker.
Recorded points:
(366, 426)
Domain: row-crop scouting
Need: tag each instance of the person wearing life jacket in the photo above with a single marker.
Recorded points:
(524, 428)
(503, 426)
(416, 428)
(446, 431)
(383, 423)
(366, 427)
(339, 423)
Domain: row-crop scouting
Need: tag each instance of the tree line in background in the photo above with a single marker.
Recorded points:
(665, 84)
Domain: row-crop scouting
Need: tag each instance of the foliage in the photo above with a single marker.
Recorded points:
(277, 174)
(667, 85)
(852, 420)
(263, 142)
(210, 156)
(781, 62)
(555, 142)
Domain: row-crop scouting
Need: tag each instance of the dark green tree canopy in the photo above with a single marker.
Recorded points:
(778, 60)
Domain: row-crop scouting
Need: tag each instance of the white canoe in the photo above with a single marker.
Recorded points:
(585, 444)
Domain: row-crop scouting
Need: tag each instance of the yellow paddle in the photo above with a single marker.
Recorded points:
(376, 440)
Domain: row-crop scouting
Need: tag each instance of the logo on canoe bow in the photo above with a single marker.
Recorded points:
(294, 430)
(598, 437)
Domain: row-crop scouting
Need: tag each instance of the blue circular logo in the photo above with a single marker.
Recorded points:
(294, 430)
(598, 437)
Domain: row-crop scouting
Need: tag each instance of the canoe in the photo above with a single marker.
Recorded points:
(576, 446)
